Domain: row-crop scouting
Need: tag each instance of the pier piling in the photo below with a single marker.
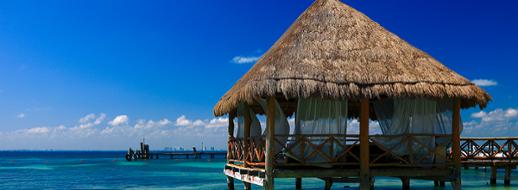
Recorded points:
(507, 176)
(405, 183)
(492, 180)
(230, 183)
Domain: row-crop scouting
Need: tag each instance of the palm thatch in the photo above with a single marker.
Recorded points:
(334, 51)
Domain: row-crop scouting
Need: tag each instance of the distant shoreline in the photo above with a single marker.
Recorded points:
(104, 151)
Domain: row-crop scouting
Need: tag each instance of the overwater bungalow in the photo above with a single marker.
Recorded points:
(332, 66)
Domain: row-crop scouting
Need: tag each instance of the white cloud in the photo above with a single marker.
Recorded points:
(217, 122)
(511, 113)
(119, 120)
(498, 122)
(143, 124)
(484, 82)
(479, 115)
(353, 127)
(244, 59)
(93, 132)
(91, 120)
(496, 115)
(21, 115)
(198, 122)
(37, 130)
(183, 121)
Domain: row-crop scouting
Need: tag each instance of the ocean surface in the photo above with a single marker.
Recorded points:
(109, 170)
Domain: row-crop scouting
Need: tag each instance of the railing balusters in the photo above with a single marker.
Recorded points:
(341, 149)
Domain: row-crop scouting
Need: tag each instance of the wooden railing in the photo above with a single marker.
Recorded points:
(484, 148)
(251, 152)
(318, 150)
(424, 150)
(411, 150)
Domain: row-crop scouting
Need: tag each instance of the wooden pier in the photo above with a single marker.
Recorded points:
(490, 152)
(179, 155)
(145, 154)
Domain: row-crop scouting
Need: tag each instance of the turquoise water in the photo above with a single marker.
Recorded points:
(108, 170)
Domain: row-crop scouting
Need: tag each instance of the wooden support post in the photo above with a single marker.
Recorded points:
(248, 186)
(405, 183)
(439, 184)
(456, 144)
(507, 176)
(246, 135)
(298, 183)
(270, 144)
(492, 180)
(329, 184)
(365, 177)
(231, 117)
(230, 183)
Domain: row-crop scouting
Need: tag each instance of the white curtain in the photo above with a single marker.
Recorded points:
(255, 126)
(316, 116)
(413, 117)
(282, 127)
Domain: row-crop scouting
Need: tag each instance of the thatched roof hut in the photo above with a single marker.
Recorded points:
(333, 51)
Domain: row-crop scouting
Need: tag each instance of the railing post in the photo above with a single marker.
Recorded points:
(270, 144)
(298, 183)
(231, 115)
(492, 180)
(456, 144)
(246, 135)
(365, 182)
(246, 138)
(507, 175)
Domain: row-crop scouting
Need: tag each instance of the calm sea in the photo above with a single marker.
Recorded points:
(109, 170)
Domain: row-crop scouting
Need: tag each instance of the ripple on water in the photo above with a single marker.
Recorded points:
(131, 163)
(187, 175)
(28, 167)
(210, 165)
(78, 165)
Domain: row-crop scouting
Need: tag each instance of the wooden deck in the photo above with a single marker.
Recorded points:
(490, 152)
(248, 166)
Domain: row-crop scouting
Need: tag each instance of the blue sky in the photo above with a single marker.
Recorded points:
(102, 74)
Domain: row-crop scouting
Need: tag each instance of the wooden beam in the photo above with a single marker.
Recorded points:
(247, 177)
(364, 145)
(231, 117)
(405, 183)
(230, 183)
(301, 173)
(270, 144)
(492, 179)
(246, 131)
(247, 186)
(456, 144)
(411, 172)
(507, 176)
(246, 138)
(298, 183)
(387, 172)
(328, 184)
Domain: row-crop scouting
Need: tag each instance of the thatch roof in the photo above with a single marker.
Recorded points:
(334, 51)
